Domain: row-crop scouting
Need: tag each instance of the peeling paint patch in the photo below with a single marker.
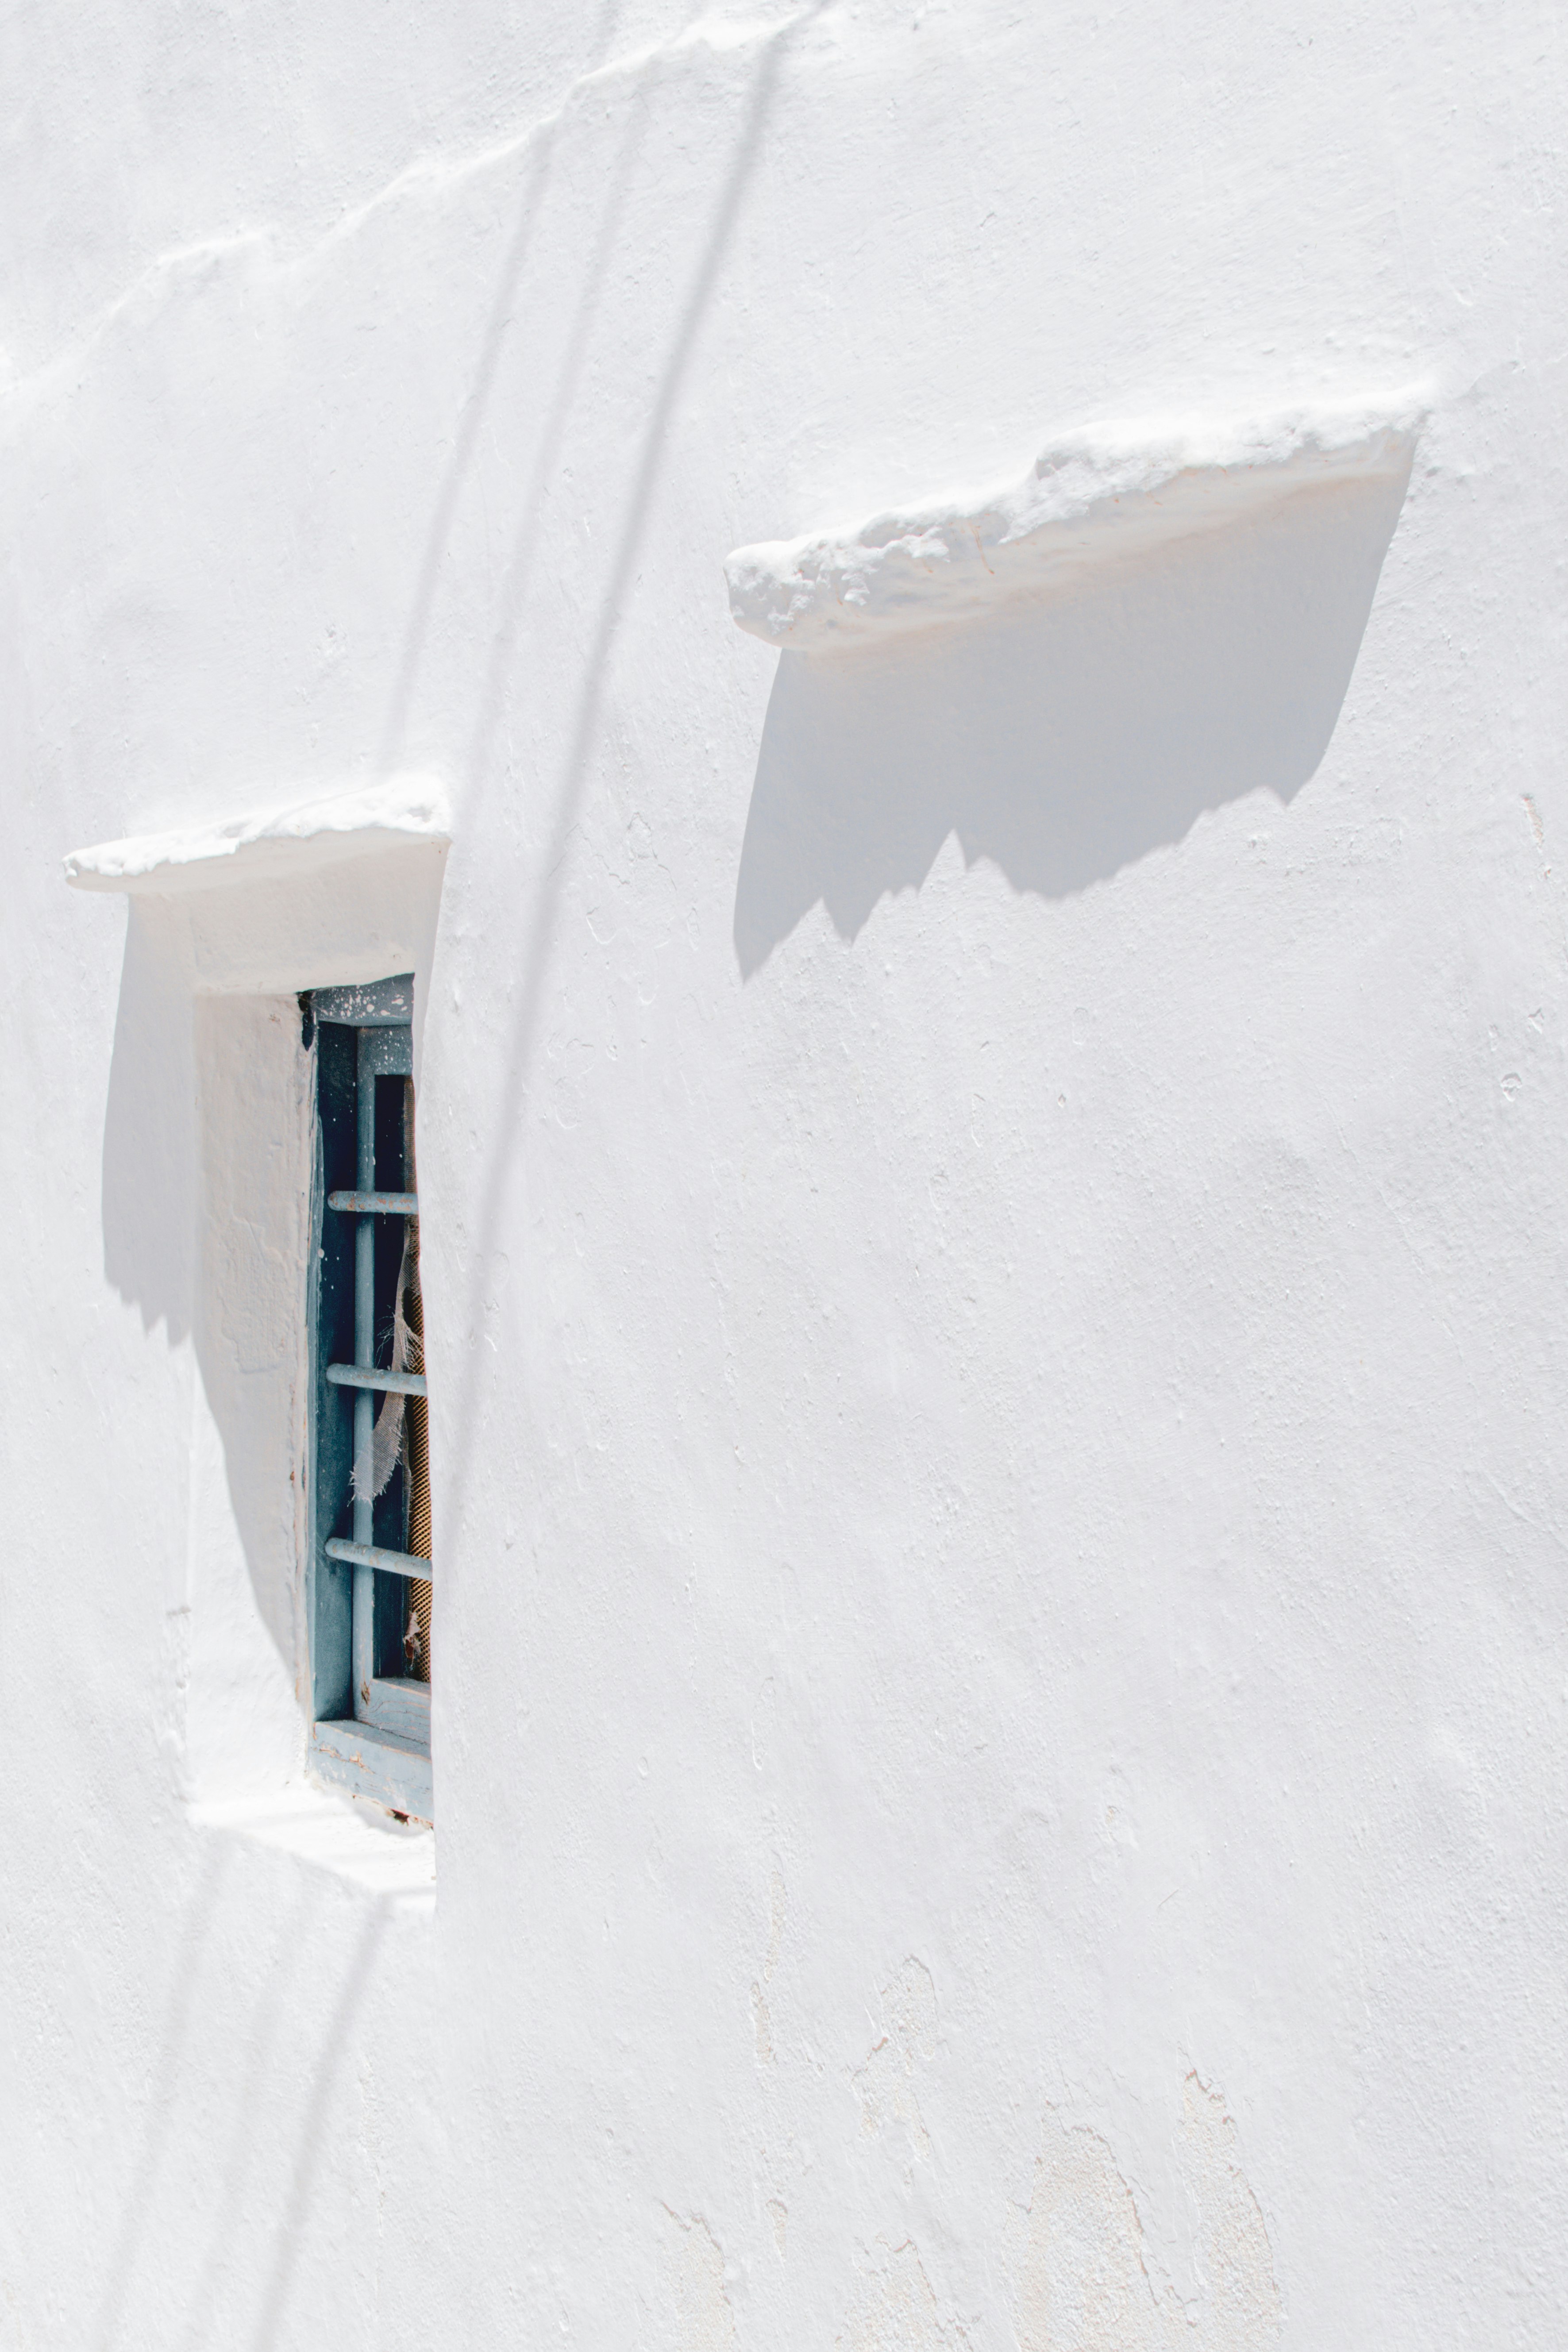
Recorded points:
(885, 2084)
(1234, 2258)
(760, 2016)
(896, 2312)
(706, 2322)
(1085, 2282)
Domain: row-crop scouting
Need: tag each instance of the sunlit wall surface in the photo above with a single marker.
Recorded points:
(992, 1203)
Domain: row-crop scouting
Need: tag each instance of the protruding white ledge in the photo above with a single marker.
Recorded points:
(269, 843)
(1109, 489)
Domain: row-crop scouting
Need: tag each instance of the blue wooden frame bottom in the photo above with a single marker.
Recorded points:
(370, 1762)
(355, 1589)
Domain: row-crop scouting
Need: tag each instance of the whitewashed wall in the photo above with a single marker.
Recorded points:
(994, 1245)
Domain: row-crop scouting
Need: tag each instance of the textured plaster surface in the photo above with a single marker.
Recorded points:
(993, 1255)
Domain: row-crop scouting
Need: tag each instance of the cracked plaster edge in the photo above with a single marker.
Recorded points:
(1112, 488)
(1152, 2254)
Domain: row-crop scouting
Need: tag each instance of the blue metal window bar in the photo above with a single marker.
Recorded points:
(371, 1729)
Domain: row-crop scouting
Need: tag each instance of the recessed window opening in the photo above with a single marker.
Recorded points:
(371, 1560)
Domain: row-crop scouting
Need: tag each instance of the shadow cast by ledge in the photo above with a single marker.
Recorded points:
(1064, 739)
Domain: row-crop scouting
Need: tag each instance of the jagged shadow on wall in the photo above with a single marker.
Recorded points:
(1064, 739)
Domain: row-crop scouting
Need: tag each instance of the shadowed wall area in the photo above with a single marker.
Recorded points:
(1066, 738)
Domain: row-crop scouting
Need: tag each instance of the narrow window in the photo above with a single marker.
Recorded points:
(369, 1550)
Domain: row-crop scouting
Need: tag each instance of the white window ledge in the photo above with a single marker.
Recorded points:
(268, 844)
(356, 1841)
(1104, 490)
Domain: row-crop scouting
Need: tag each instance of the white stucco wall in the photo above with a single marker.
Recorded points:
(993, 1235)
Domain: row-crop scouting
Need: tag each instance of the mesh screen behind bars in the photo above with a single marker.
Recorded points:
(416, 1428)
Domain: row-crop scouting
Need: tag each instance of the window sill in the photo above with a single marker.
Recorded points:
(370, 1762)
(365, 1849)
(402, 1706)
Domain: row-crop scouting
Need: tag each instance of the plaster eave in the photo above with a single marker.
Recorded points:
(268, 844)
(1100, 491)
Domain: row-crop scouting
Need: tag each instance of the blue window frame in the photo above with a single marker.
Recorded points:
(369, 1567)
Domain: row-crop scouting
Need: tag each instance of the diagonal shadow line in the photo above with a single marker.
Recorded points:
(312, 2138)
(261, 2035)
(540, 931)
(179, 2017)
(461, 458)
(462, 454)
(514, 587)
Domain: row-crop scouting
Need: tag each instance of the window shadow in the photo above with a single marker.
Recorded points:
(1064, 739)
(219, 2210)
(333, 2057)
(149, 1128)
(160, 2117)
